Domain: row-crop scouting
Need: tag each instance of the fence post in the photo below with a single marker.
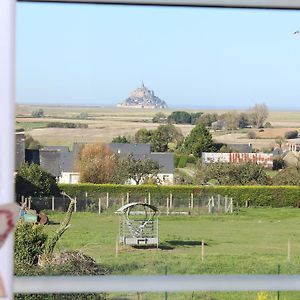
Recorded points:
(192, 200)
(167, 206)
(149, 198)
(53, 204)
(75, 204)
(107, 200)
(226, 205)
(219, 203)
(202, 250)
(127, 197)
(171, 200)
(231, 205)
(86, 194)
(99, 205)
(29, 202)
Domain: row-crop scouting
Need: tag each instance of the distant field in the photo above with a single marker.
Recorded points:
(254, 241)
(106, 123)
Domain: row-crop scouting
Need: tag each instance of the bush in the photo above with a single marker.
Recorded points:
(268, 125)
(191, 159)
(291, 134)
(272, 196)
(251, 135)
(278, 163)
(66, 125)
(72, 263)
(176, 159)
(29, 243)
(182, 161)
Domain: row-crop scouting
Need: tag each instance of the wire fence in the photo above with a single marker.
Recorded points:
(104, 202)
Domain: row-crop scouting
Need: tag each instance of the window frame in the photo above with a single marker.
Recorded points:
(107, 283)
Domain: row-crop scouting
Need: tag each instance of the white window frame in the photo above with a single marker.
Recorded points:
(106, 283)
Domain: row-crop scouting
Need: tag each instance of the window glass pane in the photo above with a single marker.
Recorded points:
(145, 78)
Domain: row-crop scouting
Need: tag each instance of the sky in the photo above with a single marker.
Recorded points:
(84, 54)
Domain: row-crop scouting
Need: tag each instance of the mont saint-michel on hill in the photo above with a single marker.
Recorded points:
(142, 97)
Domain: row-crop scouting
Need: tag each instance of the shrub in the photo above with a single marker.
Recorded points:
(291, 134)
(176, 159)
(73, 263)
(29, 243)
(278, 163)
(251, 135)
(191, 159)
(182, 161)
(268, 125)
(273, 196)
(66, 125)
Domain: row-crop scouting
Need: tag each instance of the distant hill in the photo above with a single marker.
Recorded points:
(142, 97)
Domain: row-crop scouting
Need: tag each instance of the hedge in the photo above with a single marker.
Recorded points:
(272, 196)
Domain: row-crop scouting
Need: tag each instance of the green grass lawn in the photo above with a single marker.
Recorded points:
(31, 125)
(254, 241)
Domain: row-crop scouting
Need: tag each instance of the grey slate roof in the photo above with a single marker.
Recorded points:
(126, 148)
(20, 149)
(66, 157)
(241, 148)
(50, 161)
(165, 160)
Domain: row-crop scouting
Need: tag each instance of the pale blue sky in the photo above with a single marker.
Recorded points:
(191, 57)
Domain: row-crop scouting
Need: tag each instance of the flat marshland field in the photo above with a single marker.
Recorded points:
(106, 123)
(250, 241)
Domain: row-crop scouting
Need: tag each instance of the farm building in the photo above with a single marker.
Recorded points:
(265, 159)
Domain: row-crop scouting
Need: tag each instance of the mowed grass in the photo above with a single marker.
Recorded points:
(252, 241)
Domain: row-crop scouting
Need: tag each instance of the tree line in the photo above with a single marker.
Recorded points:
(255, 116)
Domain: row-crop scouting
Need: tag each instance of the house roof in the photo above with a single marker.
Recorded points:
(20, 149)
(66, 157)
(241, 148)
(165, 160)
(50, 161)
(126, 148)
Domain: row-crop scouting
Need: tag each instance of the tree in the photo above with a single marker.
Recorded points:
(143, 136)
(163, 135)
(243, 120)
(258, 115)
(233, 174)
(287, 176)
(179, 117)
(199, 140)
(31, 143)
(32, 180)
(38, 113)
(120, 139)
(96, 163)
(207, 119)
(231, 119)
(136, 169)
(291, 134)
(279, 140)
(159, 118)
(195, 117)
